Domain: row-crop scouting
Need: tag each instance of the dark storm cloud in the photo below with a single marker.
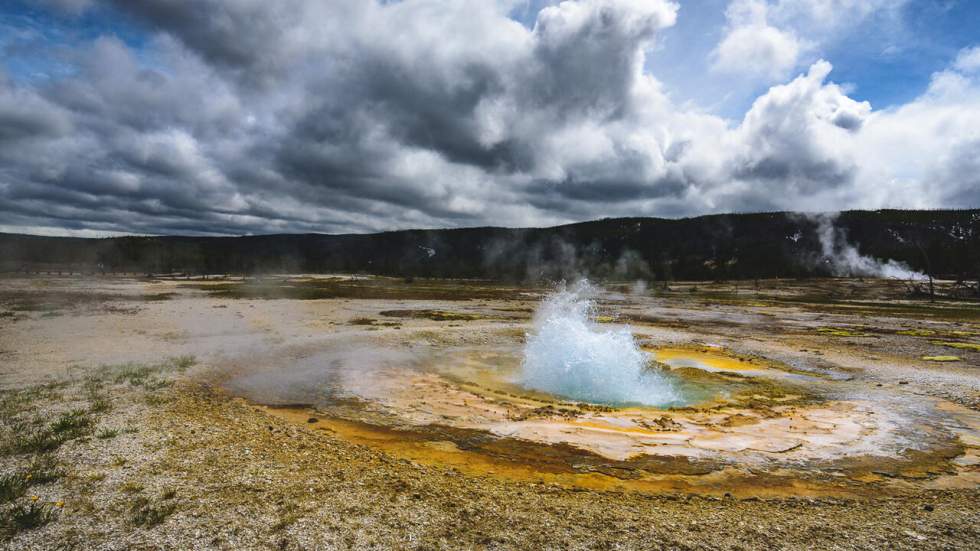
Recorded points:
(245, 37)
(357, 115)
(24, 116)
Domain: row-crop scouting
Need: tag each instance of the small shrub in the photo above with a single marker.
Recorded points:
(43, 470)
(99, 404)
(37, 440)
(73, 423)
(26, 517)
(12, 486)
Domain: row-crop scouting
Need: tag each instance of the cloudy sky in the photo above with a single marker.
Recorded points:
(251, 116)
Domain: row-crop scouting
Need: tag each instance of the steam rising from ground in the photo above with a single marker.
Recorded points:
(844, 259)
(569, 354)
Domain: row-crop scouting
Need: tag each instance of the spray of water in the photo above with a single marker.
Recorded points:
(570, 355)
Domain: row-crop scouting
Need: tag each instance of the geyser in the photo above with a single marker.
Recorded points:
(569, 354)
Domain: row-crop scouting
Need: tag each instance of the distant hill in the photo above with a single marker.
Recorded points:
(944, 243)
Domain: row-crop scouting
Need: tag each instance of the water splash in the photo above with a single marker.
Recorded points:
(570, 355)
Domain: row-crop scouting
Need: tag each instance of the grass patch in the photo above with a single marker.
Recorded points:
(287, 517)
(182, 363)
(30, 437)
(434, 315)
(106, 434)
(840, 332)
(361, 321)
(36, 440)
(159, 297)
(12, 486)
(155, 400)
(100, 404)
(44, 470)
(146, 514)
(917, 333)
(154, 384)
(131, 487)
(72, 424)
(25, 517)
(375, 288)
(133, 374)
(959, 345)
(144, 375)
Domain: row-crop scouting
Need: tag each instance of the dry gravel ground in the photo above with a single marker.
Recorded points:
(110, 440)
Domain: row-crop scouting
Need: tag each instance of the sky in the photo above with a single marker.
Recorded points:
(334, 116)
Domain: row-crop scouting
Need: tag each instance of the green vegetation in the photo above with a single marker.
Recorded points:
(71, 424)
(917, 332)
(33, 436)
(44, 470)
(146, 514)
(434, 315)
(55, 303)
(364, 288)
(361, 321)
(841, 332)
(25, 517)
(36, 440)
(106, 434)
(99, 404)
(141, 375)
(12, 486)
(131, 487)
(723, 247)
(959, 345)
(29, 427)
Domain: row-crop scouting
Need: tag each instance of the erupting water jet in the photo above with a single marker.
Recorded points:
(569, 354)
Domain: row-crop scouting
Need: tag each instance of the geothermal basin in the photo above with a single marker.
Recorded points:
(579, 396)
(340, 412)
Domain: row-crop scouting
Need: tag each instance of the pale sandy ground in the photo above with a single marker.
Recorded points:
(225, 473)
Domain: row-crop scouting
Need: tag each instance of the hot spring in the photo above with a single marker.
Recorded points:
(578, 400)
(569, 354)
